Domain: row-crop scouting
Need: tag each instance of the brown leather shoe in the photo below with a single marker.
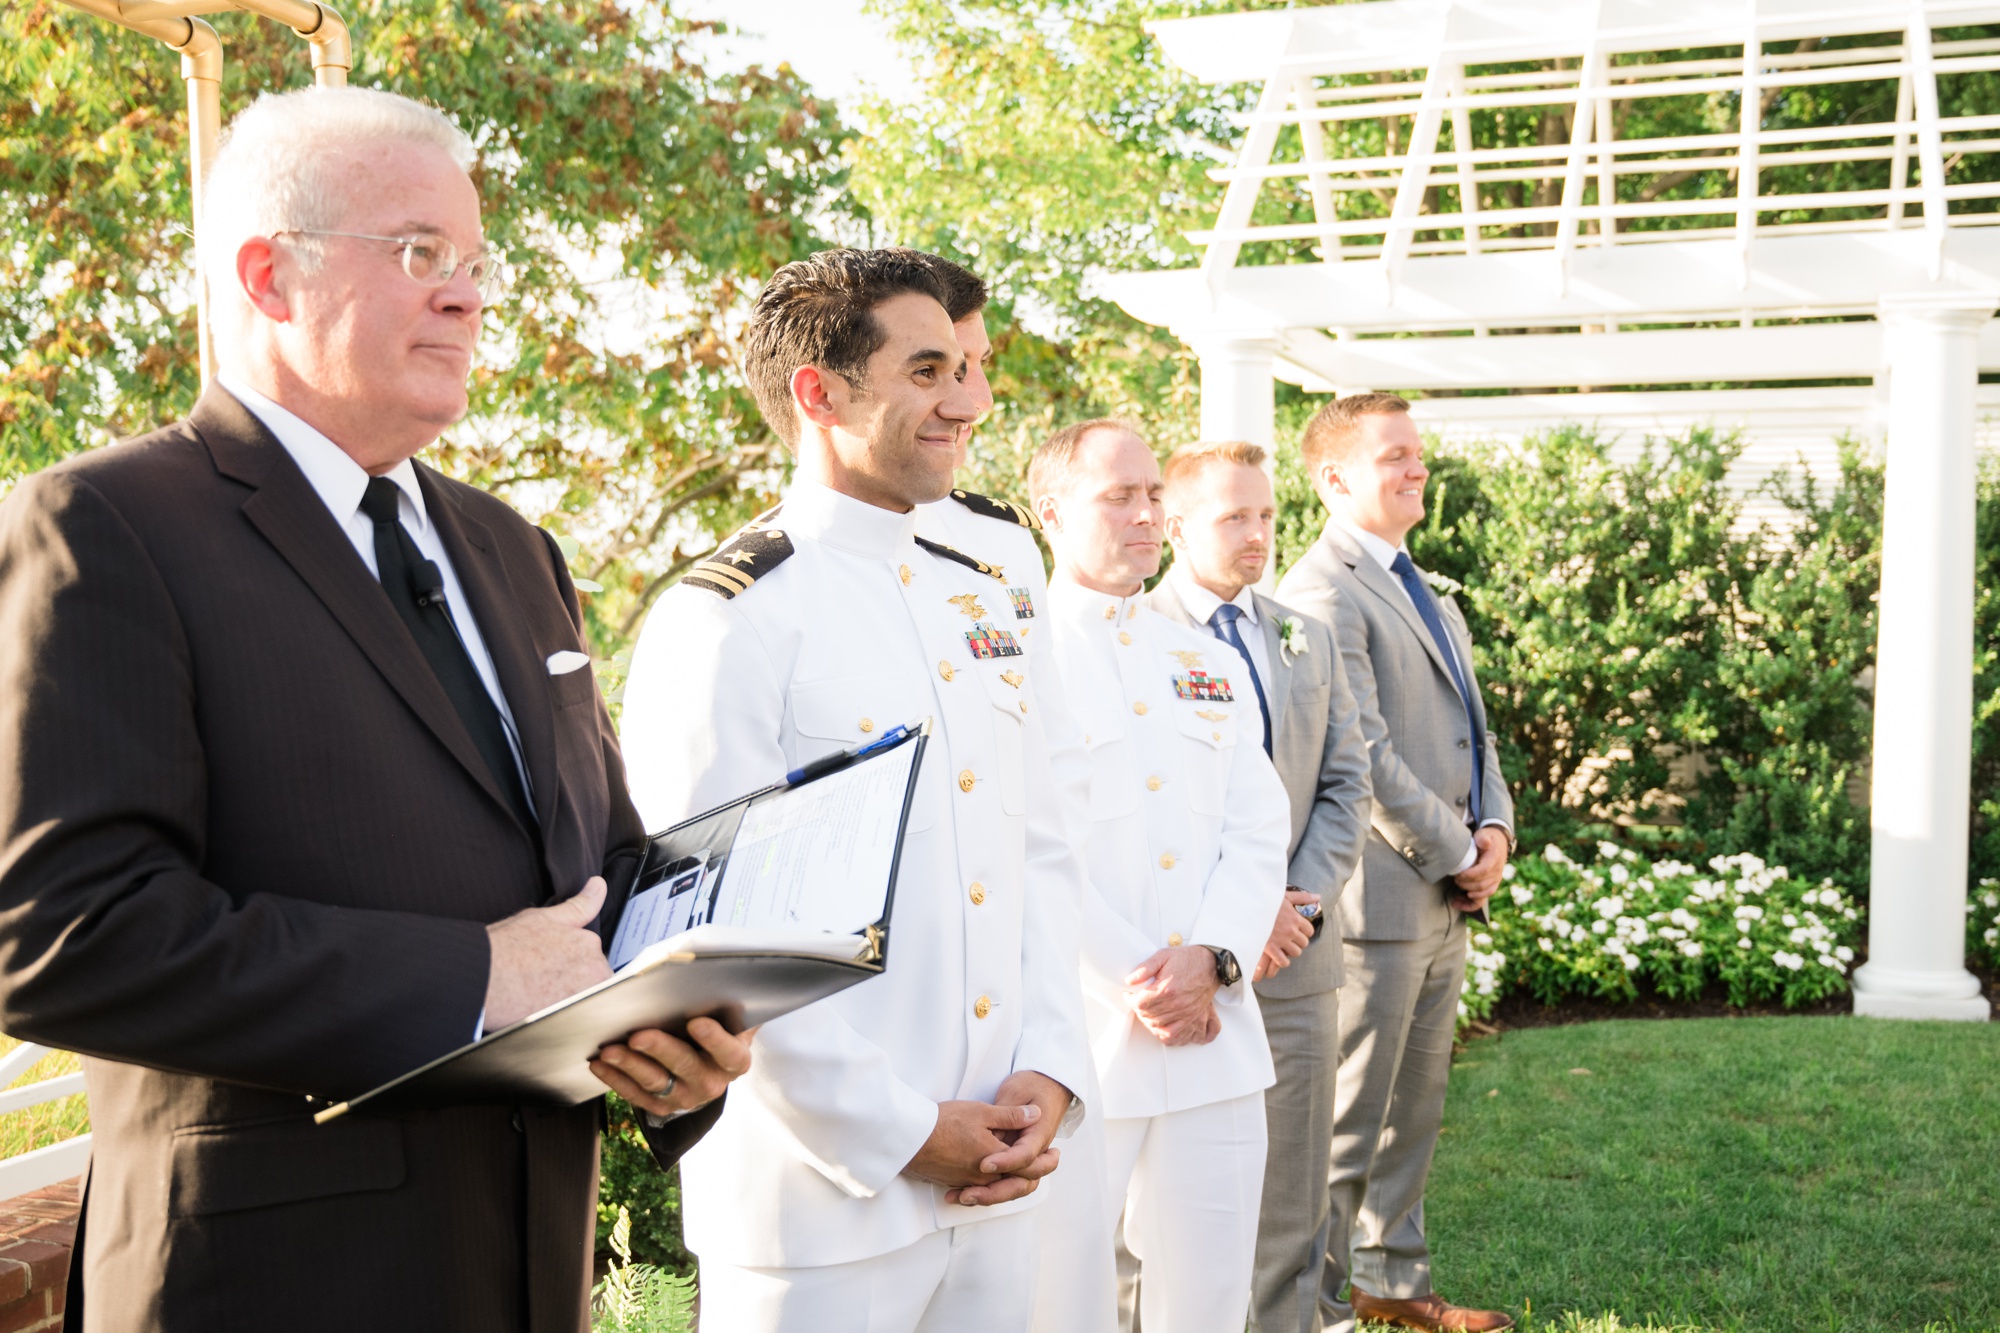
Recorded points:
(1432, 1312)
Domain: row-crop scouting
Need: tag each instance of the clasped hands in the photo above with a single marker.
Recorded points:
(993, 1152)
(1172, 994)
(1481, 880)
(545, 954)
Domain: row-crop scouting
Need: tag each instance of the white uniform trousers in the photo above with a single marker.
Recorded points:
(1189, 1183)
(1076, 1288)
(977, 1277)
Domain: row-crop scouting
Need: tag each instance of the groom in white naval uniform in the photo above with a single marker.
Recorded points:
(1076, 1289)
(1189, 827)
(879, 1175)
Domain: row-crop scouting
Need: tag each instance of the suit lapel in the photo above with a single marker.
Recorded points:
(1279, 686)
(1385, 586)
(291, 516)
(495, 605)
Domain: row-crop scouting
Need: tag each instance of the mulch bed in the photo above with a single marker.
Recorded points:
(1525, 1011)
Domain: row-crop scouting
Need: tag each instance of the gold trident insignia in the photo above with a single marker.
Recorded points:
(1188, 659)
(968, 603)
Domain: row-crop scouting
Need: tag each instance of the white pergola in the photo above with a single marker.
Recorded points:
(1526, 267)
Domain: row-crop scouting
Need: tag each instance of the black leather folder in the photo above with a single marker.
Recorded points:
(543, 1059)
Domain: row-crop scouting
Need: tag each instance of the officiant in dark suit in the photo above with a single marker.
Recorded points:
(305, 781)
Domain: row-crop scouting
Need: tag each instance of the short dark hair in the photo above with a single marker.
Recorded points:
(1331, 434)
(820, 311)
(965, 293)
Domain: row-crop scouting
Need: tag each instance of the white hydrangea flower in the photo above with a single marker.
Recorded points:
(1521, 893)
(1743, 942)
(1844, 954)
(1692, 948)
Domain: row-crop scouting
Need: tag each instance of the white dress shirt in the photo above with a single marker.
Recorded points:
(1201, 604)
(1385, 555)
(339, 482)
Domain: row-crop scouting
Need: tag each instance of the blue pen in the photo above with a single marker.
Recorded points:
(826, 763)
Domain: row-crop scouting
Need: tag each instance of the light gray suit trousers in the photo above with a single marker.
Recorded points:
(1404, 946)
(1317, 747)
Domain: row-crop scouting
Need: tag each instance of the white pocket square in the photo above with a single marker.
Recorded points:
(562, 663)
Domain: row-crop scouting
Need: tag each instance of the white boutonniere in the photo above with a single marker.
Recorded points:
(1444, 583)
(1292, 638)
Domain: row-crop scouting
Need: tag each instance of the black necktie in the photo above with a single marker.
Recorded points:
(398, 562)
(1223, 622)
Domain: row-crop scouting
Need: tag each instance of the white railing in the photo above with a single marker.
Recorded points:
(1426, 182)
(58, 1161)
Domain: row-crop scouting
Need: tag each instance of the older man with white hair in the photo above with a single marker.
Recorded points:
(308, 781)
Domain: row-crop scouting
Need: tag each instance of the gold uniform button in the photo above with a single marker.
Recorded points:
(981, 1007)
(1111, 613)
(1140, 708)
(977, 893)
(1174, 940)
(1123, 637)
(905, 573)
(944, 669)
(965, 780)
(1166, 860)
(867, 725)
(1153, 783)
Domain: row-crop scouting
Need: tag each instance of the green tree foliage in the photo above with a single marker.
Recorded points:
(637, 196)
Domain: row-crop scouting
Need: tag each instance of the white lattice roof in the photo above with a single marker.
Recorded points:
(1430, 235)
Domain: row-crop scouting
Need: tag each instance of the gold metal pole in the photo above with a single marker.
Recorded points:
(320, 25)
(201, 68)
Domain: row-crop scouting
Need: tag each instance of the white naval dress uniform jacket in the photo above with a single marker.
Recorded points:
(1189, 825)
(1076, 1288)
(859, 629)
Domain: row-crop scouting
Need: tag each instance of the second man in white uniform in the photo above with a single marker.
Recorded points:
(1186, 851)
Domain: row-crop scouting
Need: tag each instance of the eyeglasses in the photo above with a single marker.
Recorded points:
(434, 260)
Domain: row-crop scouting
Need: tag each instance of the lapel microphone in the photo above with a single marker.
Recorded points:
(427, 582)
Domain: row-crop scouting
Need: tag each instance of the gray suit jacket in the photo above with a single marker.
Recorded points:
(1418, 738)
(1317, 746)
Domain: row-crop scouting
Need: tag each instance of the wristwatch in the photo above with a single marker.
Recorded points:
(1227, 970)
(1310, 911)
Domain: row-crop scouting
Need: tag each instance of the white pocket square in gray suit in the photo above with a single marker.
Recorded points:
(562, 663)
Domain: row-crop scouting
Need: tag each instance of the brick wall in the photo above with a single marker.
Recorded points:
(37, 1231)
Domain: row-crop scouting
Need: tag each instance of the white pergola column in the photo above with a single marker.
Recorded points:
(1923, 667)
(1238, 380)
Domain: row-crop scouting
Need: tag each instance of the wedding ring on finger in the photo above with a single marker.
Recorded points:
(673, 1081)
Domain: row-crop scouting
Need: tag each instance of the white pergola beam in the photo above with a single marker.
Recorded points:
(1681, 356)
(1787, 275)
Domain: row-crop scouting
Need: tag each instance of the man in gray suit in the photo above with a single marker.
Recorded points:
(1220, 518)
(1443, 828)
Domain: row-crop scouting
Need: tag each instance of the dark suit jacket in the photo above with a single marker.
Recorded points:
(247, 857)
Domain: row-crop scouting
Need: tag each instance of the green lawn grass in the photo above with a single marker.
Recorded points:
(1765, 1174)
(51, 1122)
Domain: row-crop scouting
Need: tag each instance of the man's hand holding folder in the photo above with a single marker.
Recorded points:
(545, 954)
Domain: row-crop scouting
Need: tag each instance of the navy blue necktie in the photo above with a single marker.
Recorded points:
(1420, 593)
(1223, 622)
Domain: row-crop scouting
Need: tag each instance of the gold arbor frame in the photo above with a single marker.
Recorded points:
(178, 25)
